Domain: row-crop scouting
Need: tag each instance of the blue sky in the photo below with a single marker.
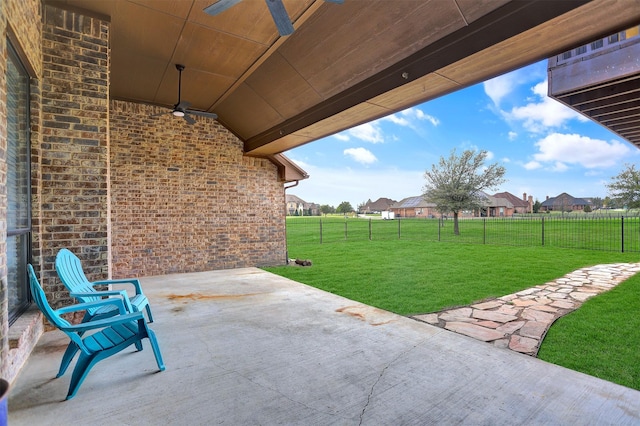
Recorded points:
(545, 147)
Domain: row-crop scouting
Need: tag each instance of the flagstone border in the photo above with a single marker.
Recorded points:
(520, 321)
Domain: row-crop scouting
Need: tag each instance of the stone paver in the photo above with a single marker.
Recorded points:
(520, 321)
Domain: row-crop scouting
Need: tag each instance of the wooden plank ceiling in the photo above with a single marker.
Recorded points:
(345, 64)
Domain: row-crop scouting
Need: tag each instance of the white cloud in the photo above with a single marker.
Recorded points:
(421, 115)
(506, 160)
(532, 165)
(559, 166)
(373, 132)
(512, 136)
(543, 112)
(396, 120)
(490, 155)
(499, 87)
(368, 132)
(361, 155)
(563, 149)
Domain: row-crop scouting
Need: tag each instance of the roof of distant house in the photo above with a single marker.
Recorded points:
(516, 201)
(564, 199)
(290, 198)
(413, 202)
(379, 205)
(493, 201)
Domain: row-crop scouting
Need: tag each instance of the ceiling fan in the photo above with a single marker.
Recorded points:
(181, 109)
(278, 12)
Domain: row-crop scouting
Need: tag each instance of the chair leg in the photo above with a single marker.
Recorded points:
(156, 349)
(71, 351)
(83, 365)
(149, 313)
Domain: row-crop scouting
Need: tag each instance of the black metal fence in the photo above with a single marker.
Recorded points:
(591, 232)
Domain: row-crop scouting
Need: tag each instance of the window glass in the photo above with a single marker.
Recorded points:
(18, 185)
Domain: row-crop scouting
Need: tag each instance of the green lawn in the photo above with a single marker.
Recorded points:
(602, 337)
(412, 277)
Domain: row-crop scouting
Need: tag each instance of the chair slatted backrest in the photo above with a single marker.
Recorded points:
(70, 271)
(41, 300)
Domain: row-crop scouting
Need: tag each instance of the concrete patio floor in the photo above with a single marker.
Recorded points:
(247, 347)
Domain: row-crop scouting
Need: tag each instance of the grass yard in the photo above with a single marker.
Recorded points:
(602, 337)
(412, 277)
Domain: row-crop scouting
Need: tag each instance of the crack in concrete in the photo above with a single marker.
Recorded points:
(373, 386)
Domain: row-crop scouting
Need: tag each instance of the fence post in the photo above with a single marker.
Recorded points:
(369, 229)
(622, 231)
(345, 227)
(320, 230)
(543, 230)
(484, 230)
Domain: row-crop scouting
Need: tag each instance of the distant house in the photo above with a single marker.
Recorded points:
(380, 205)
(414, 207)
(563, 203)
(496, 206)
(520, 205)
(296, 206)
(418, 206)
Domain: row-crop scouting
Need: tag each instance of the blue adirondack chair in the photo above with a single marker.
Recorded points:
(72, 276)
(110, 336)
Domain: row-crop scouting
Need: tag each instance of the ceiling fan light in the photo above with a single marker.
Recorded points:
(178, 113)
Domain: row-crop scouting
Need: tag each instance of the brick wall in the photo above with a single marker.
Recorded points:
(73, 193)
(25, 30)
(185, 199)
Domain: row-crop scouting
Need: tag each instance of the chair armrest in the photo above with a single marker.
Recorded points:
(103, 323)
(121, 293)
(134, 281)
(95, 304)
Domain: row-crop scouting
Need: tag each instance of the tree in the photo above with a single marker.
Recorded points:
(326, 209)
(536, 206)
(456, 183)
(625, 187)
(607, 203)
(596, 203)
(344, 207)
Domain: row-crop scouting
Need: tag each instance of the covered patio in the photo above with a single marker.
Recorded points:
(100, 159)
(245, 346)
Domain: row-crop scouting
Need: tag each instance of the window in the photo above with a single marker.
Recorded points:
(580, 50)
(18, 185)
(597, 44)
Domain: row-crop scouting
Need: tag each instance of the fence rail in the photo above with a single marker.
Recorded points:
(607, 233)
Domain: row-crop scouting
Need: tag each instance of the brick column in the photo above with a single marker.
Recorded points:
(74, 192)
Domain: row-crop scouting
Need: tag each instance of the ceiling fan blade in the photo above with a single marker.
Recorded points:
(189, 119)
(335, 1)
(202, 113)
(280, 17)
(220, 6)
